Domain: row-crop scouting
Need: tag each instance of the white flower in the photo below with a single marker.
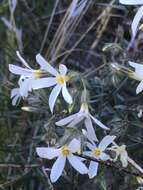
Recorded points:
(59, 80)
(138, 75)
(98, 153)
(64, 153)
(122, 153)
(83, 114)
(138, 15)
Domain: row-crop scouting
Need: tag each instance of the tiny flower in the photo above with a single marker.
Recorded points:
(85, 115)
(138, 75)
(64, 153)
(138, 16)
(122, 153)
(98, 152)
(59, 79)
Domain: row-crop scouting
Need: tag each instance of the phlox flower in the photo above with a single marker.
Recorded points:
(98, 152)
(85, 115)
(138, 16)
(138, 75)
(121, 153)
(58, 80)
(64, 153)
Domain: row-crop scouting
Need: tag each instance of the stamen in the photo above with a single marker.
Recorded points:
(96, 152)
(65, 151)
(61, 80)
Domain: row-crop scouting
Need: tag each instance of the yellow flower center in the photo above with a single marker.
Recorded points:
(96, 152)
(38, 73)
(65, 151)
(61, 80)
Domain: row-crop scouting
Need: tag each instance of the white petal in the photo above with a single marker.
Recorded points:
(93, 168)
(106, 141)
(16, 99)
(24, 88)
(20, 71)
(22, 60)
(139, 87)
(66, 95)
(43, 83)
(91, 146)
(124, 159)
(57, 169)
(99, 123)
(136, 21)
(104, 156)
(45, 65)
(66, 120)
(74, 146)
(138, 68)
(75, 121)
(77, 164)
(90, 130)
(14, 92)
(53, 96)
(131, 2)
(62, 69)
(47, 153)
(87, 153)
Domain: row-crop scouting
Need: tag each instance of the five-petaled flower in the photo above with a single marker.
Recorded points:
(64, 153)
(98, 152)
(58, 80)
(85, 115)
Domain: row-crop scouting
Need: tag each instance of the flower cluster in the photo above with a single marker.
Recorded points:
(47, 76)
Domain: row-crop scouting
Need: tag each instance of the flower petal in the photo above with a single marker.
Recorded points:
(106, 141)
(131, 2)
(90, 130)
(138, 68)
(24, 88)
(66, 95)
(14, 92)
(124, 159)
(77, 164)
(47, 153)
(43, 83)
(45, 65)
(136, 21)
(20, 71)
(93, 168)
(53, 96)
(76, 120)
(139, 87)
(66, 120)
(22, 60)
(57, 169)
(74, 146)
(99, 123)
(62, 69)
(104, 156)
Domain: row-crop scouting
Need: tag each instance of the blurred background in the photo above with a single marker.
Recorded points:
(89, 43)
